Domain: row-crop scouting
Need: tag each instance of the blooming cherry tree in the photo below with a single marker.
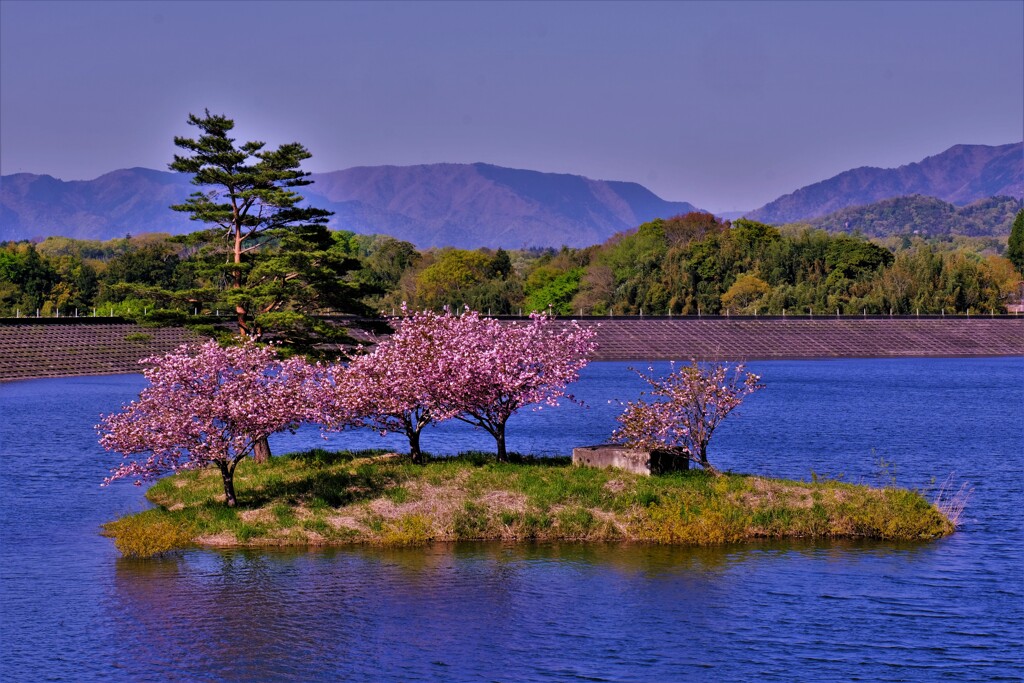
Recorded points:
(506, 366)
(206, 405)
(407, 382)
(693, 402)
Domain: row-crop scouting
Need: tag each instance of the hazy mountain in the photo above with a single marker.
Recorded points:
(960, 175)
(463, 205)
(129, 200)
(925, 216)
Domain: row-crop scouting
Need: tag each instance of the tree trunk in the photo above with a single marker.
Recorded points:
(228, 474)
(708, 467)
(236, 273)
(414, 446)
(261, 449)
(499, 437)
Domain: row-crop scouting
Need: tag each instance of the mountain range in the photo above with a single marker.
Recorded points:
(435, 205)
(474, 205)
(960, 175)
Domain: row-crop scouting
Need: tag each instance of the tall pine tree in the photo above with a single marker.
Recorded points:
(281, 261)
(251, 203)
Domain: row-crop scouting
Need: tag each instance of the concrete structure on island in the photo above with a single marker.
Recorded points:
(635, 460)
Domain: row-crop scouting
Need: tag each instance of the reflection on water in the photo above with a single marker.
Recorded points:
(950, 609)
(604, 612)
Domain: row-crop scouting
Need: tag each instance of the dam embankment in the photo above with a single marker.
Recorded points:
(806, 337)
(52, 348)
(36, 349)
(46, 347)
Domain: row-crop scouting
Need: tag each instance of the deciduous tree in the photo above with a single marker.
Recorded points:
(746, 293)
(206, 405)
(410, 380)
(691, 402)
(507, 366)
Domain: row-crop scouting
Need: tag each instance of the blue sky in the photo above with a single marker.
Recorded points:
(724, 104)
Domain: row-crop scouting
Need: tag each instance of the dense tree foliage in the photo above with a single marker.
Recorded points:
(1015, 247)
(920, 215)
(683, 265)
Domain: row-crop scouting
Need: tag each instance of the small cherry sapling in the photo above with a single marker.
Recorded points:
(692, 401)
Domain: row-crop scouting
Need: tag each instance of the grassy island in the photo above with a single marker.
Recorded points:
(320, 498)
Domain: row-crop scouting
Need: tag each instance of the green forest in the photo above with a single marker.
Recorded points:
(685, 265)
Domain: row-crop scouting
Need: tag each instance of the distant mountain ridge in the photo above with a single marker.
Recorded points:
(461, 205)
(925, 216)
(960, 175)
(127, 200)
(474, 205)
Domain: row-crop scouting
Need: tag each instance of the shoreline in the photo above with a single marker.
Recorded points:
(326, 499)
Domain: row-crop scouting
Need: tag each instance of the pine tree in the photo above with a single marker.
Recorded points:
(251, 203)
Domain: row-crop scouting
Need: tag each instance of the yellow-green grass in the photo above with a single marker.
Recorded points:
(321, 498)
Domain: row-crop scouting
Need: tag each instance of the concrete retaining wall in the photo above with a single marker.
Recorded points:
(633, 460)
(32, 351)
(776, 338)
(57, 349)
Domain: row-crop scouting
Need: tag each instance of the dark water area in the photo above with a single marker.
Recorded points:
(72, 610)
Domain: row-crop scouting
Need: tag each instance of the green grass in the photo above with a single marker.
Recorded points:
(325, 498)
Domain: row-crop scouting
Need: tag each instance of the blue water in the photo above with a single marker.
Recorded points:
(72, 610)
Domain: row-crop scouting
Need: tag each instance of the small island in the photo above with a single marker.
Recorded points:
(321, 498)
(208, 408)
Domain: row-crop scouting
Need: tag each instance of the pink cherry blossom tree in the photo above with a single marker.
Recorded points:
(206, 405)
(506, 366)
(407, 382)
(693, 401)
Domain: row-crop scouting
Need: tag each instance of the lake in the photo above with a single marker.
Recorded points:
(72, 610)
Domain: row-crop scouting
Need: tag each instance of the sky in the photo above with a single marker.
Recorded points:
(727, 105)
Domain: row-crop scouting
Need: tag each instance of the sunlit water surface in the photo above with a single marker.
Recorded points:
(72, 610)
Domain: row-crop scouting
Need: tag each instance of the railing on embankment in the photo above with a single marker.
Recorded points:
(48, 347)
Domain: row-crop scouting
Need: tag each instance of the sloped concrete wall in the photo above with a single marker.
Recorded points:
(774, 338)
(30, 351)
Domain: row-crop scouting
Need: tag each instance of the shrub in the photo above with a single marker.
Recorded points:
(147, 534)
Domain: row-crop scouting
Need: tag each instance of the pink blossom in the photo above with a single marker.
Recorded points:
(503, 367)
(439, 366)
(406, 383)
(693, 402)
(206, 405)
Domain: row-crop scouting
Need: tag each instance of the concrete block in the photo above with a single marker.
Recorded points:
(637, 461)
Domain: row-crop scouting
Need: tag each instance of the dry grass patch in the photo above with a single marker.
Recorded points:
(616, 486)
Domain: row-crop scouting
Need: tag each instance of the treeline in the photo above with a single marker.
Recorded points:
(685, 265)
(925, 216)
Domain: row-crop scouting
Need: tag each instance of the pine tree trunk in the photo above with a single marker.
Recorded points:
(261, 449)
(236, 274)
